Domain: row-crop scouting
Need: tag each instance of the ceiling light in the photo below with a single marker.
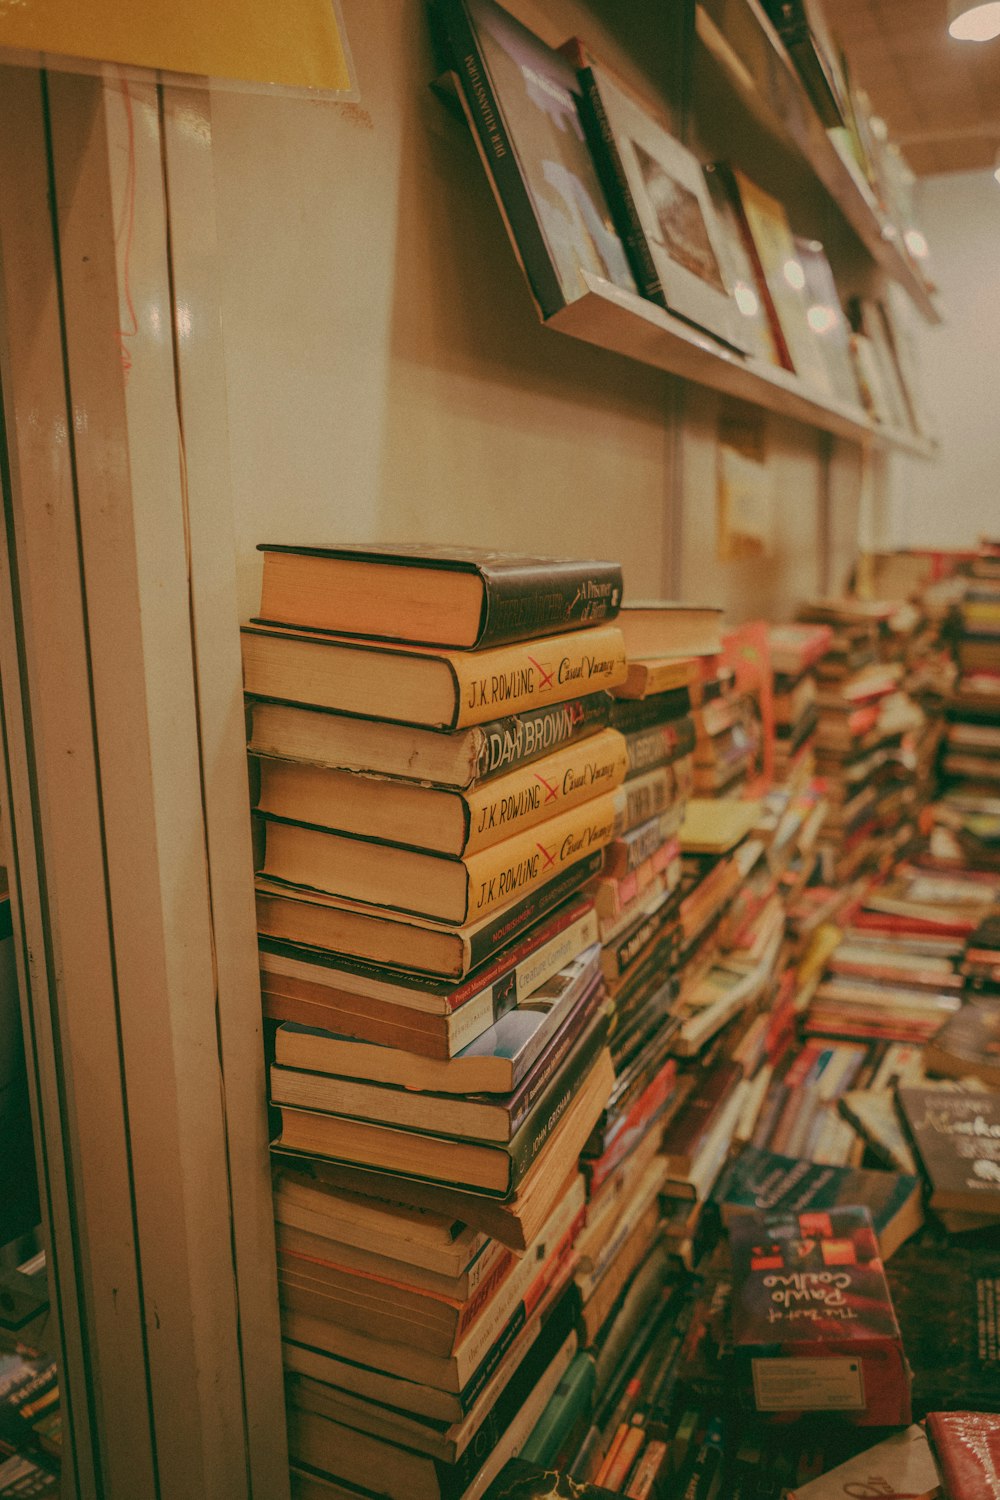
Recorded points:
(970, 22)
(996, 167)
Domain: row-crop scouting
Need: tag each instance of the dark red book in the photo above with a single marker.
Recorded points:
(683, 1137)
(814, 1328)
(967, 1447)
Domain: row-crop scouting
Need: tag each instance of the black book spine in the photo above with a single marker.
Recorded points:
(628, 714)
(518, 739)
(498, 154)
(550, 1108)
(543, 599)
(611, 171)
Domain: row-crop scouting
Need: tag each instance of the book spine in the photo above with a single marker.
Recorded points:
(541, 599)
(648, 795)
(524, 798)
(658, 745)
(518, 739)
(658, 710)
(604, 148)
(639, 844)
(510, 923)
(628, 1131)
(550, 1108)
(532, 674)
(496, 877)
(505, 1316)
(497, 151)
(559, 1049)
(622, 951)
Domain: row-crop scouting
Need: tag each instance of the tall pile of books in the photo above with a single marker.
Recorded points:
(436, 783)
(795, 650)
(864, 740)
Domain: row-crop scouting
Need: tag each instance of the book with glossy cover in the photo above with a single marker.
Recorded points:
(521, 101)
(763, 1181)
(435, 595)
(967, 1446)
(428, 686)
(968, 1044)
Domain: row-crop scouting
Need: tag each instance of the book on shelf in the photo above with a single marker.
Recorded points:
(740, 274)
(660, 203)
(957, 1138)
(521, 100)
(495, 1062)
(514, 1221)
(455, 891)
(901, 1464)
(329, 928)
(460, 597)
(440, 819)
(497, 1116)
(426, 686)
(801, 24)
(968, 1044)
(826, 319)
(967, 1447)
(760, 1180)
(496, 1167)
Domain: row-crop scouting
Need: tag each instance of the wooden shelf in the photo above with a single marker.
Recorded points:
(612, 318)
(740, 38)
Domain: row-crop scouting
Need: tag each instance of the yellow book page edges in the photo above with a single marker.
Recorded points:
(293, 43)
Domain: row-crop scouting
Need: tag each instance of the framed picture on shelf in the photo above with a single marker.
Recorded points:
(826, 319)
(662, 208)
(752, 303)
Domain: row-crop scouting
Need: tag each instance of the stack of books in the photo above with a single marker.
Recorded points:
(795, 650)
(637, 900)
(865, 736)
(436, 782)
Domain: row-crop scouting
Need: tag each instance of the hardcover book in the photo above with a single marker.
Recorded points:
(521, 99)
(434, 818)
(947, 1296)
(327, 927)
(813, 1322)
(456, 891)
(461, 759)
(434, 595)
(425, 686)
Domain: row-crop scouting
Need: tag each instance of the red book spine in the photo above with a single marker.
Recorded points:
(967, 1446)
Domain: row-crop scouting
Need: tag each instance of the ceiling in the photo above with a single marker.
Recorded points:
(940, 98)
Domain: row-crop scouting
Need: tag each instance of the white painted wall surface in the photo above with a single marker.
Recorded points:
(952, 502)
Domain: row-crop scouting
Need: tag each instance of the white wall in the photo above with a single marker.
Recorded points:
(952, 502)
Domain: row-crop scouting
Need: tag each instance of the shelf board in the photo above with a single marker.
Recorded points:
(748, 49)
(612, 318)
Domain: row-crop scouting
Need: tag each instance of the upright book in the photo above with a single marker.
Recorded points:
(458, 597)
(521, 100)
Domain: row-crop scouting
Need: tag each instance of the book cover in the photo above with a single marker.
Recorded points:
(435, 595)
(967, 1445)
(763, 1181)
(947, 1297)
(521, 100)
(957, 1137)
(813, 1323)
(968, 1044)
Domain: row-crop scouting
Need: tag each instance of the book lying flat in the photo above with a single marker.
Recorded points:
(494, 1168)
(957, 1137)
(495, 1063)
(460, 758)
(425, 686)
(902, 1464)
(662, 628)
(444, 596)
(456, 891)
(436, 818)
(333, 925)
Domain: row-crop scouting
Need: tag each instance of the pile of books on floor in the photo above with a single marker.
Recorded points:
(865, 739)
(795, 650)
(436, 783)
